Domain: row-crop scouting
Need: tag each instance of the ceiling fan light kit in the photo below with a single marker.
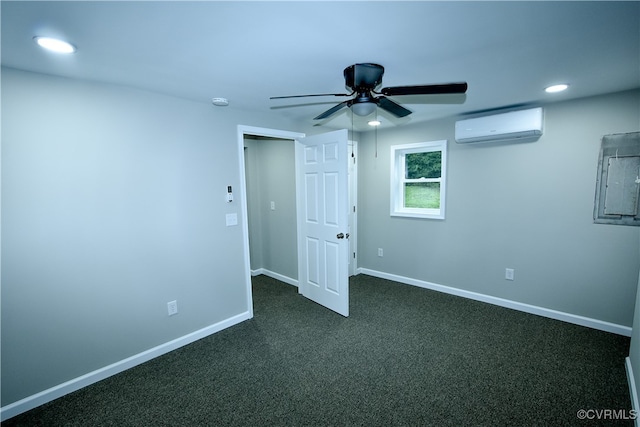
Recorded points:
(363, 79)
(363, 109)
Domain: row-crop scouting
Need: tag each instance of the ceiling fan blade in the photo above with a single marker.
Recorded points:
(448, 88)
(317, 94)
(395, 109)
(333, 110)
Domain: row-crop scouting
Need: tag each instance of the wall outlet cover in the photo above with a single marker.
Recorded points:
(172, 307)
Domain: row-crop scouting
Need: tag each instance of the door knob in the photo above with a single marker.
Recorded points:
(340, 236)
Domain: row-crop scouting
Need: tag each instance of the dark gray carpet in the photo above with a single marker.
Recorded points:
(406, 357)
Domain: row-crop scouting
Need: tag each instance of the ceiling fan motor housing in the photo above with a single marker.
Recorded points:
(362, 77)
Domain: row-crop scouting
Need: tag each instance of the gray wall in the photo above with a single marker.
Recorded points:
(527, 206)
(270, 170)
(113, 204)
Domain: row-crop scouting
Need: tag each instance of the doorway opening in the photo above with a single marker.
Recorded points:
(271, 207)
(267, 158)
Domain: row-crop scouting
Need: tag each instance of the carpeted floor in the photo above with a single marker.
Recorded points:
(405, 357)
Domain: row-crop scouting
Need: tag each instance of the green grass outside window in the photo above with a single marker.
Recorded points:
(425, 195)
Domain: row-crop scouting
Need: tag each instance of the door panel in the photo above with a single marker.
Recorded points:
(312, 261)
(322, 194)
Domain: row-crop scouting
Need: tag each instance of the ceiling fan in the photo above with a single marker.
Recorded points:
(363, 79)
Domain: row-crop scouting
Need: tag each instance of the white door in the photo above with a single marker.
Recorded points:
(322, 205)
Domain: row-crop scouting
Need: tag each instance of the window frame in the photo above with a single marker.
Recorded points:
(398, 180)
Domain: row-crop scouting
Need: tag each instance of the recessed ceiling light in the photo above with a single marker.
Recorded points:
(55, 45)
(556, 88)
(374, 123)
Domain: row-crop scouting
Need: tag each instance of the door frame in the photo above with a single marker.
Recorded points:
(244, 214)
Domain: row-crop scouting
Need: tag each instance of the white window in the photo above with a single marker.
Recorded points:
(418, 174)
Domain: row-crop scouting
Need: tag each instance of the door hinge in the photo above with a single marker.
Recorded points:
(354, 255)
(354, 208)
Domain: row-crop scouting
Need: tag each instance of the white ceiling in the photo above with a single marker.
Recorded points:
(249, 51)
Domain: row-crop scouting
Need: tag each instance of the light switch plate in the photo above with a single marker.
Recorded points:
(509, 273)
(232, 219)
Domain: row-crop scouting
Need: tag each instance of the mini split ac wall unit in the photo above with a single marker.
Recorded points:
(500, 127)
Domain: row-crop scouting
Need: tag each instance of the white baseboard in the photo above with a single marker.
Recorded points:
(633, 392)
(70, 386)
(527, 308)
(274, 275)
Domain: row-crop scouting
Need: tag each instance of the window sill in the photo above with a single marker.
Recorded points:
(435, 214)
